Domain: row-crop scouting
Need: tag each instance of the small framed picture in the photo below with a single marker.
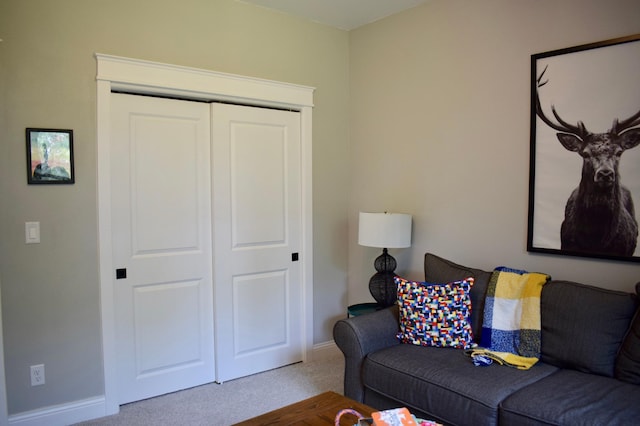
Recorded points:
(49, 156)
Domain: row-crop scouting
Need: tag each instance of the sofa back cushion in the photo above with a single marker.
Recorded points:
(439, 270)
(583, 326)
(628, 362)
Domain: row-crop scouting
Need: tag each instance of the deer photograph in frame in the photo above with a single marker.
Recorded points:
(584, 172)
(49, 156)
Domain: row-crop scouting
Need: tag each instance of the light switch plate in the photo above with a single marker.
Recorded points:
(32, 232)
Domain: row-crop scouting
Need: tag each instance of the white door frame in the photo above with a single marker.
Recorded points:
(144, 77)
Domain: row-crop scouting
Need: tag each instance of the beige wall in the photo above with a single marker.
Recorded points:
(50, 291)
(439, 119)
(426, 112)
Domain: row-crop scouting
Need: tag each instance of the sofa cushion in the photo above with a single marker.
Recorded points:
(569, 397)
(628, 362)
(435, 314)
(444, 383)
(583, 326)
(439, 270)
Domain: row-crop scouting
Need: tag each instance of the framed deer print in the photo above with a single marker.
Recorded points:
(49, 156)
(584, 174)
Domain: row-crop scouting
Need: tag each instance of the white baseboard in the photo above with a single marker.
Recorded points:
(94, 408)
(324, 350)
(64, 414)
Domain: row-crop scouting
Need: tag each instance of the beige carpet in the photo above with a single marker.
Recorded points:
(236, 400)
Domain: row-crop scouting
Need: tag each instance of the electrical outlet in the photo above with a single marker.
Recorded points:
(37, 375)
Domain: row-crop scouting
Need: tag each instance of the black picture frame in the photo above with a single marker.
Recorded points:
(49, 156)
(576, 94)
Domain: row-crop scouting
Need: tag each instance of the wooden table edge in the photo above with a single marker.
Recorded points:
(312, 411)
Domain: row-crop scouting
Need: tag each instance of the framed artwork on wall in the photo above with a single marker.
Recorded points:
(49, 156)
(584, 174)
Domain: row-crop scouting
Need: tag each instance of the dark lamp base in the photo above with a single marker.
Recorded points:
(382, 287)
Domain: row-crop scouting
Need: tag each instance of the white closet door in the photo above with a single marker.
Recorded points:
(257, 223)
(161, 226)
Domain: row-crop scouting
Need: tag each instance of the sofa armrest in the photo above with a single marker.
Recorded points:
(358, 336)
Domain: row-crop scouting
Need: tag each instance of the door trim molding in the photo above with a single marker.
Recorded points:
(152, 78)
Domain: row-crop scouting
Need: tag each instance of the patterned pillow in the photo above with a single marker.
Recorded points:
(435, 314)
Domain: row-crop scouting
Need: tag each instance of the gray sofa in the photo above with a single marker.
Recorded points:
(588, 373)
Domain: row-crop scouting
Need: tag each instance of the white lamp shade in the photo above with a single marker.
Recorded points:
(384, 230)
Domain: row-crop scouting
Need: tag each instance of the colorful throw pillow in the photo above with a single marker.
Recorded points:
(440, 270)
(435, 314)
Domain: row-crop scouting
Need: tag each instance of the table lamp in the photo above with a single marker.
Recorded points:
(384, 230)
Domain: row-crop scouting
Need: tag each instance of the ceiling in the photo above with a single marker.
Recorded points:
(342, 14)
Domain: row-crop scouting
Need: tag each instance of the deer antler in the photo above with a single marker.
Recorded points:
(620, 126)
(561, 126)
